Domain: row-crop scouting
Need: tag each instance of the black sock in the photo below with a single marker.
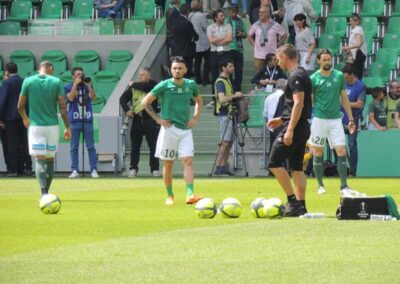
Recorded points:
(291, 198)
(303, 202)
(45, 191)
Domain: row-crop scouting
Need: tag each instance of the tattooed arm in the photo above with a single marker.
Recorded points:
(146, 103)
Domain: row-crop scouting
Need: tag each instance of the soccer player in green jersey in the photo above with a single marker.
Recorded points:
(329, 92)
(175, 137)
(43, 92)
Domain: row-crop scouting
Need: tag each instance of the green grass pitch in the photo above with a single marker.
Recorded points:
(119, 231)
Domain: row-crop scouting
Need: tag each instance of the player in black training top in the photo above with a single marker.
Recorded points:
(291, 141)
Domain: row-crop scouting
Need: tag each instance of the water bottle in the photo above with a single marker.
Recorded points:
(374, 217)
(313, 216)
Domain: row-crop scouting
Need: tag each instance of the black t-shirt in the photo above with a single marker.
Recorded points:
(298, 81)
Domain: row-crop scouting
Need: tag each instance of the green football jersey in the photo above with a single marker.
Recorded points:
(42, 92)
(326, 94)
(175, 100)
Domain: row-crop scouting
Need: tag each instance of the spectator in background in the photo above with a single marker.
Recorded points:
(273, 107)
(272, 6)
(292, 8)
(357, 48)
(266, 36)
(199, 21)
(268, 76)
(238, 33)
(220, 37)
(19, 161)
(79, 96)
(183, 39)
(356, 95)
(171, 15)
(305, 43)
(3, 136)
(377, 111)
(109, 8)
(142, 123)
(390, 101)
(230, 3)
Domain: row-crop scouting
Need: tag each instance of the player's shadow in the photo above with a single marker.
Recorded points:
(91, 200)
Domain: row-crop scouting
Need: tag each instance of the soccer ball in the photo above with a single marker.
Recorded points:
(231, 208)
(274, 208)
(206, 208)
(257, 208)
(50, 204)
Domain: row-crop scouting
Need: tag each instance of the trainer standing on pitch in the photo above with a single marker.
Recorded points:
(329, 91)
(175, 137)
(291, 141)
(43, 92)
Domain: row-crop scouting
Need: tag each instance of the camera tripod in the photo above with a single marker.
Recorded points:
(239, 135)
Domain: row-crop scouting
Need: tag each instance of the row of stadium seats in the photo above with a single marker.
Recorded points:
(104, 81)
(23, 10)
(78, 27)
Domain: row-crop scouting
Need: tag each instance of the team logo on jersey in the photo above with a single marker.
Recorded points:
(334, 80)
(329, 84)
(179, 90)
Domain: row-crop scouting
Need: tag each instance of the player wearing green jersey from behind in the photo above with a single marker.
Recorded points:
(175, 137)
(329, 92)
(43, 92)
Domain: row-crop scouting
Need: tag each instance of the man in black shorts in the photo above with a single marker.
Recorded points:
(291, 141)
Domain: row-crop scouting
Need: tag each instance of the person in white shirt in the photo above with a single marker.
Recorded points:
(305, 43)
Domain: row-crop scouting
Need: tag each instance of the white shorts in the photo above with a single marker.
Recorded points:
(174, 142)
(321, 129)
(43, 140)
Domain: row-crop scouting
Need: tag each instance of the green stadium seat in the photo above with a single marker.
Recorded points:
(104, 83)
(82, 9)
(58, 59)
(392, 40)
(135, 27)
(89, 60)
(341, 8)
(331, 42)
(10, 28)
(25, 61)
(118, 61)
(370, 25)
(98, 104)
(380, 70)
(373, 8)
(20, 11)
(66, 77)
(339, 66)
(144, 10)
(317, 5)
(396, 9)
(51, 10)
(371, 82)
(106, 27)
(394, 25)
(387, 56)
(336, 26)
(158, 25)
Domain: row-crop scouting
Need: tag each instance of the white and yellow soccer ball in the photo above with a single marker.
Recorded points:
(257, 208)
(50, 204)
(274, 208)
(206, 208)
(231, 208)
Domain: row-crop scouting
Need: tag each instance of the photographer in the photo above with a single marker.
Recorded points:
(142, 123)
(79, 96)
(225, 107)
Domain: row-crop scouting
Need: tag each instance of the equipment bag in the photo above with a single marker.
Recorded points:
(360, 208)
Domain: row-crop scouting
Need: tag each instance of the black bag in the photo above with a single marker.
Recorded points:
(330, 169)
(360, 208)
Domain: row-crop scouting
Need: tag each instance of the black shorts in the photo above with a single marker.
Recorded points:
(295, 152)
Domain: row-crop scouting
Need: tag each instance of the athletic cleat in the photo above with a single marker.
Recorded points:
(348, 192)
(193, 199)
(170, 200)
(321, 190)
(294, 209)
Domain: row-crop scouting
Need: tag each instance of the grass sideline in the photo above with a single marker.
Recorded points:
(119, 231)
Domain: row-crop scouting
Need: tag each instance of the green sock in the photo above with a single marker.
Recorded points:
(49, 172)
(169, 190)
(189, 189)
(318, 169)
(342, 170)
(40, 171)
